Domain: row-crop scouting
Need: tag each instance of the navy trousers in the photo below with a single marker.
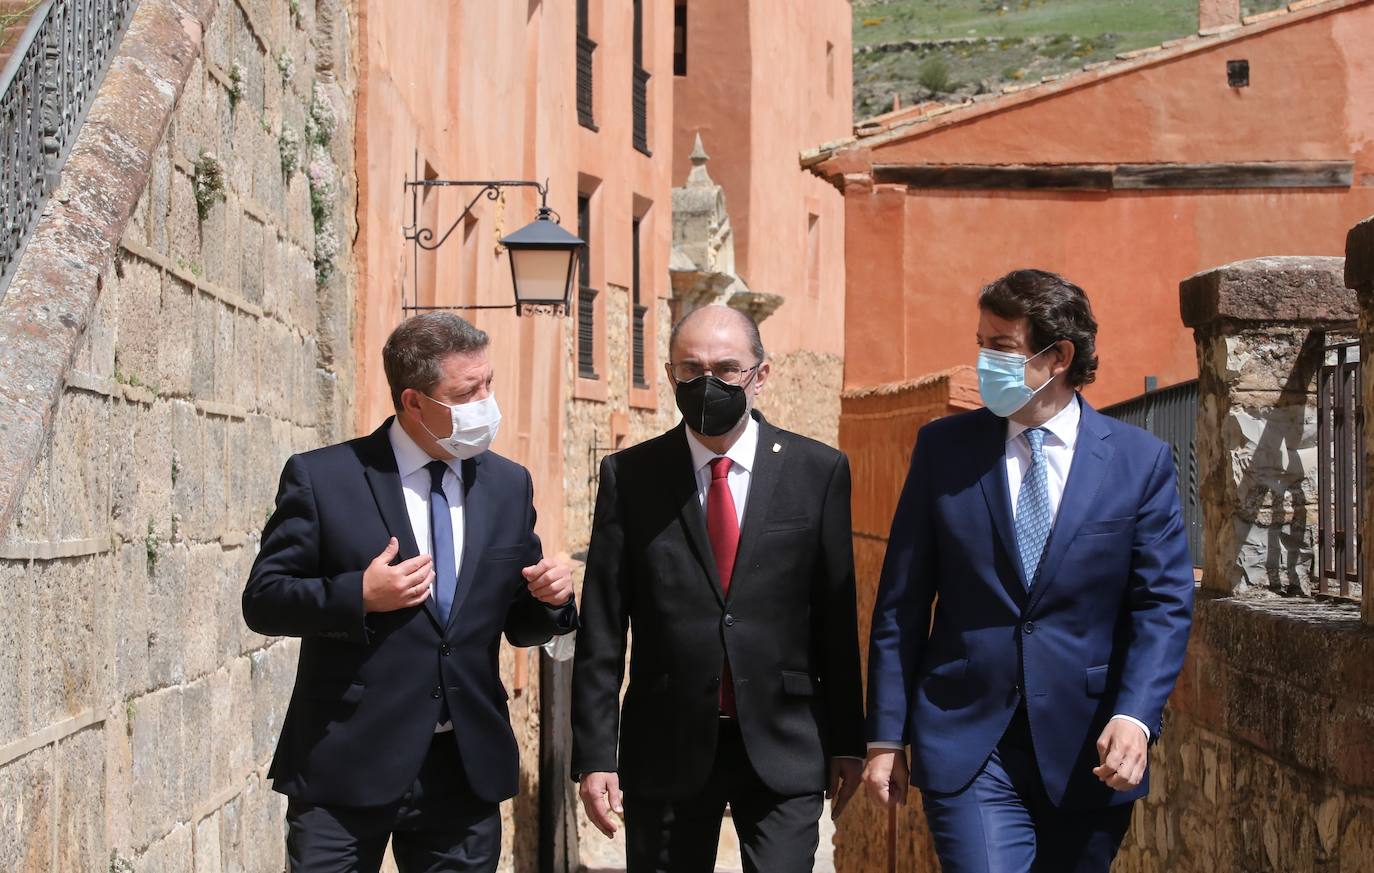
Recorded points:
(1003, 821)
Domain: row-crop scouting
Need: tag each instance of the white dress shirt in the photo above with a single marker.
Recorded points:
(1060, 441)
(741, 456)
(415, 484)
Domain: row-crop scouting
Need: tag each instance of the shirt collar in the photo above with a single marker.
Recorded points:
(1063, 426)
(409, 456)
(741, 454)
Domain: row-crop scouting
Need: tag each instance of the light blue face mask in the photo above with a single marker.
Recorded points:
(1002, 380)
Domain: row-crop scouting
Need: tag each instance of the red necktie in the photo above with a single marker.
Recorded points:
(722, 528)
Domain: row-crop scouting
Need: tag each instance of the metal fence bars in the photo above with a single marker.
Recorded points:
(46, 89)
(1340, 471)
(1171, 414)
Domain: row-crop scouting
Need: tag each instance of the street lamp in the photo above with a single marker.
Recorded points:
(543, 256)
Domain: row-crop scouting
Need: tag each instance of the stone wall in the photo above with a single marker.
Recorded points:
(1260, 327)
(139, 713)
(803, 394)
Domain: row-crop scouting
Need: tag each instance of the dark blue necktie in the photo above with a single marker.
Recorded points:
(441, 541)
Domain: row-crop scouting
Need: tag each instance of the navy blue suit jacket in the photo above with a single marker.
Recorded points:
(369, 685)
(1103, 631)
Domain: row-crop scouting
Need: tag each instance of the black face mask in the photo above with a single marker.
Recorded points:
(711, 407)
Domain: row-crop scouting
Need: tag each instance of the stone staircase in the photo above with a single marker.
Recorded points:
(14, 17)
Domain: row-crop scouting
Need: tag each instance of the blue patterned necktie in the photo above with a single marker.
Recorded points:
(441, 540)
(1033, 517)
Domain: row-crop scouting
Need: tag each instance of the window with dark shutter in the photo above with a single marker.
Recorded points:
(680, 38)
(585, 48)
(639, 85)
(637, 313)
(586, 295)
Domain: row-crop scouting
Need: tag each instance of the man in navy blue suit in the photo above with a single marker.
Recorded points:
(1034, 605)
(399, 559)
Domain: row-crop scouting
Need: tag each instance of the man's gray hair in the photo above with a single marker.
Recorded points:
(413, 352)
(750, 327)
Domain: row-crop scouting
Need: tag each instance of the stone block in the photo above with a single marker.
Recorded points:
(96, 355)
(79, 483)
(214, 251)
(16, 673)
(231, 837)
(266, 462)
(158, 762)
(276, 354)
(1359, 257)
(26, 812)
(189, 459)
(205, 315)
(168, 566)
(143, 466)
(197, 731)
(1301, 290)
(233, 242)
(201, 599)
(207, 853)
(133, 632)
(216, 505)
(273, 674)
(189, 140)
(80, 762)
(160, 197)
(183, 222)
(33, 516)
(176, 350)
(218, 38)
(139, 296)
(263, 813)
(62, 656)
(244, 374)
(171, 854)
(252, 237)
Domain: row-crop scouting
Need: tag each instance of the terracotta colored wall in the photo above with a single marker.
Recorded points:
(927, 258)
(759, 89)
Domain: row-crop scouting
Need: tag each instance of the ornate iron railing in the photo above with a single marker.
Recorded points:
(1340, 471)
(1171, 414)
(46, 89)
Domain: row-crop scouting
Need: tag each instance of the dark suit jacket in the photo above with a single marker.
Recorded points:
(788, 623)
(1103, 631)
(368, 686)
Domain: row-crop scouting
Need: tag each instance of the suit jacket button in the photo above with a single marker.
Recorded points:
(444, 649)
(437, 692)
(1029, 627)
(729, 620)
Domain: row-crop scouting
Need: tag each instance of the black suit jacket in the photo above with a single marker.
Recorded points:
(368, 686)
(788, 623)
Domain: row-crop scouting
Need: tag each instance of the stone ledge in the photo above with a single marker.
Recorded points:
(1296, 290)
(52, 297)
(47, 736)
(1359, 257)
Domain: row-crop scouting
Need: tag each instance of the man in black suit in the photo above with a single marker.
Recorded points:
(399, 559)
(725, 545)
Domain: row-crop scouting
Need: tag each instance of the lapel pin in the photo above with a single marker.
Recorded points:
(777, 447)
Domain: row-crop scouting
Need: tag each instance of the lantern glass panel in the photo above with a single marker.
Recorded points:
(541, 275)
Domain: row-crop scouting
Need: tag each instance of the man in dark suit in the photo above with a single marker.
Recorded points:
(1047, 539)
(725, 545)
(399, 558)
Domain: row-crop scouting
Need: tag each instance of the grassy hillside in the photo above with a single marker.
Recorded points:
(1016, 40)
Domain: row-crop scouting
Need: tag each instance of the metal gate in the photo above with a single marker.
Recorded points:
(1340, 471)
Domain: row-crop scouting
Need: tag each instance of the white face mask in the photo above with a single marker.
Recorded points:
(474, 427)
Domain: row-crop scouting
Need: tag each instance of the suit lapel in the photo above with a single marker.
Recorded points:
(992, 454)
(385, 481)
(687, 499)
(1091, 460)
(763, 481)
(476, 531)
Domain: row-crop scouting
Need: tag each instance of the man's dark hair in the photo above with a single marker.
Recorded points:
(1057, 310)
(415, 348)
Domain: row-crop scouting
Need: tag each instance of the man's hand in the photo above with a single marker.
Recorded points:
(387, 588)
(886, 776)
(600, 793)
(1123, 752)
(550, 581)
(845, 774)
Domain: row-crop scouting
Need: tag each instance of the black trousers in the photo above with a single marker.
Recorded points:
(438, 825)
(1003, 822)
(777, 834)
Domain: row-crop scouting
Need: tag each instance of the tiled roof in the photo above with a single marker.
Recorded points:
(899, 124)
